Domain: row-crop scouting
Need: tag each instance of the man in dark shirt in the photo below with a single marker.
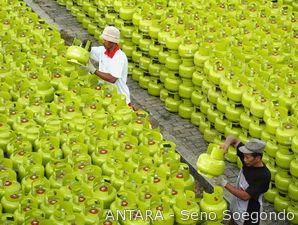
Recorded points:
(252, 182)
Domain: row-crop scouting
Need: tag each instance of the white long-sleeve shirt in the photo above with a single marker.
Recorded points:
(116, 66)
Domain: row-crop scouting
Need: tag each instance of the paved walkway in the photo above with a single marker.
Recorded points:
(190, 143)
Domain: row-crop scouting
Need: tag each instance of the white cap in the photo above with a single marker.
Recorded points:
(111, 34)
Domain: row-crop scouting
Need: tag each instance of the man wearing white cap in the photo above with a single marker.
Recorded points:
(252, 182)
(113, 64)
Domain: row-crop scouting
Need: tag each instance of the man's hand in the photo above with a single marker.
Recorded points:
(230, 140)
(224, 147)
(89, 67)
(221, 181)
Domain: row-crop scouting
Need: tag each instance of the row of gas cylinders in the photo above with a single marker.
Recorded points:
(72, 151)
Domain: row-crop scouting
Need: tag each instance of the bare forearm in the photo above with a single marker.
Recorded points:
(105, 76)
(231, 140)
(243, 195)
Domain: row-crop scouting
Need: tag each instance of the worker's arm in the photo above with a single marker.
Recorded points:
(239, 193)
(105, 76)
(230, 140)
(114, 72)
